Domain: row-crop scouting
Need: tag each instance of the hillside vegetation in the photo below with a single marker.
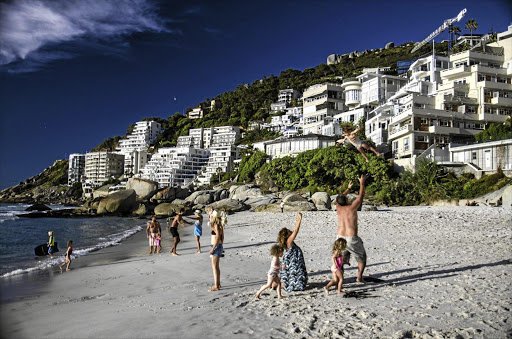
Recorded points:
(329, 169)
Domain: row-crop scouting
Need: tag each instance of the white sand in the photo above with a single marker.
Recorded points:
(446, 273)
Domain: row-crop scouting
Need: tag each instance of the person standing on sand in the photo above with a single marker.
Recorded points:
(152, 230)
(282, 206)
(69, 251)
(294, 275)
(354, 140)
(178, 220)
(347, 228)
(217, 249)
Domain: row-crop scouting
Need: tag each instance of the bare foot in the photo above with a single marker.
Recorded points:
(280, 297)
(341, 292)
(257, 296)
(213, 288)
(367, 160)
(360, 281)
(60, 269)
(67, 269)
(198, 251)
(175, 254)
(326, 291)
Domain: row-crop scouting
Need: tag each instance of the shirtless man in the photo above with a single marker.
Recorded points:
(347, 228)
(354, 140)
(152, 230)
(178, 220)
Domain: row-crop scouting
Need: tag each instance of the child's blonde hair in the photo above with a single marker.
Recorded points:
(339, 246)
(276, 250)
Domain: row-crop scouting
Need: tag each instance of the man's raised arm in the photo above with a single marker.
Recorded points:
(359, 198)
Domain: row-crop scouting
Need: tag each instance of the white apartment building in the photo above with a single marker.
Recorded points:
(204, 137)
(320, 102)
(134, 147)
(102, 166)
(282, 147)
(221, 160)
(353, 116)
(76, 168)
(284, 98)
(474, 90)
(174, 166)
(196, 113)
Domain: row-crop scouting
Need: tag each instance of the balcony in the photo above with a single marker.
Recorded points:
(454, 73)
(495, 85)
(405, 114)
(444, 130)
(501, 101)
(401, 131)
(452, 86)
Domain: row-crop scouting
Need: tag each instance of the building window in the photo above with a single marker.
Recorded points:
(395, 146)
(406, 144)
(473, 155)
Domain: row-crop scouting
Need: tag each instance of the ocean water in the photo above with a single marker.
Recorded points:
(19, 236)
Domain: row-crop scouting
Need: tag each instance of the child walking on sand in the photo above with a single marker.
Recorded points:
(276, 251)
(337, 265)
(69, 251)
(354, 140)
(158, 239)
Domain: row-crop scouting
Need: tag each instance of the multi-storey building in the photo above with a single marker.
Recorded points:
(134, 147)
(76, 168)
(174, 166)
(476, 89)
(102, 166)
(320, 102)
(284, 99)
(221, 160)
(204, 137)
(196, 113)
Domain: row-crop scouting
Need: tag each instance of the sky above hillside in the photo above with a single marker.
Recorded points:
(75, 72)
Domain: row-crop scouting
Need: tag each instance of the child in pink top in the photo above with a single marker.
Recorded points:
(337, 265)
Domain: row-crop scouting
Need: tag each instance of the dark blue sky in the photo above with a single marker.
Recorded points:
(73, 73)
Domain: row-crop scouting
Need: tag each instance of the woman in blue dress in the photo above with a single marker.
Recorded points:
(294, 275)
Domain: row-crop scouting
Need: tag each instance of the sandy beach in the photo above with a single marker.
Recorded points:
(440, 272)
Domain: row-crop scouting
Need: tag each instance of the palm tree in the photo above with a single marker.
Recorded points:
(471, 26)
(454, 30)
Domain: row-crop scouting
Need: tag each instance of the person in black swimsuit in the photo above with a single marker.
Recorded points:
(178, 220)
(69, 251)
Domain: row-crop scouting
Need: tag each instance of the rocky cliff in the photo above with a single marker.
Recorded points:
(48, 187)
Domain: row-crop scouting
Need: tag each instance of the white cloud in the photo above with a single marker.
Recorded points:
(27, 26)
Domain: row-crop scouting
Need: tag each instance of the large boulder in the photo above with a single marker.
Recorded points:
(167, 209)
(231, 205)
(220, 194)
(245, 191)
(170, 193)
(141, 211)
(322, 201)
(292, 197)
(200, 197)
(259, 201)
(38, 207)
(120, 202)
(144, 189)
